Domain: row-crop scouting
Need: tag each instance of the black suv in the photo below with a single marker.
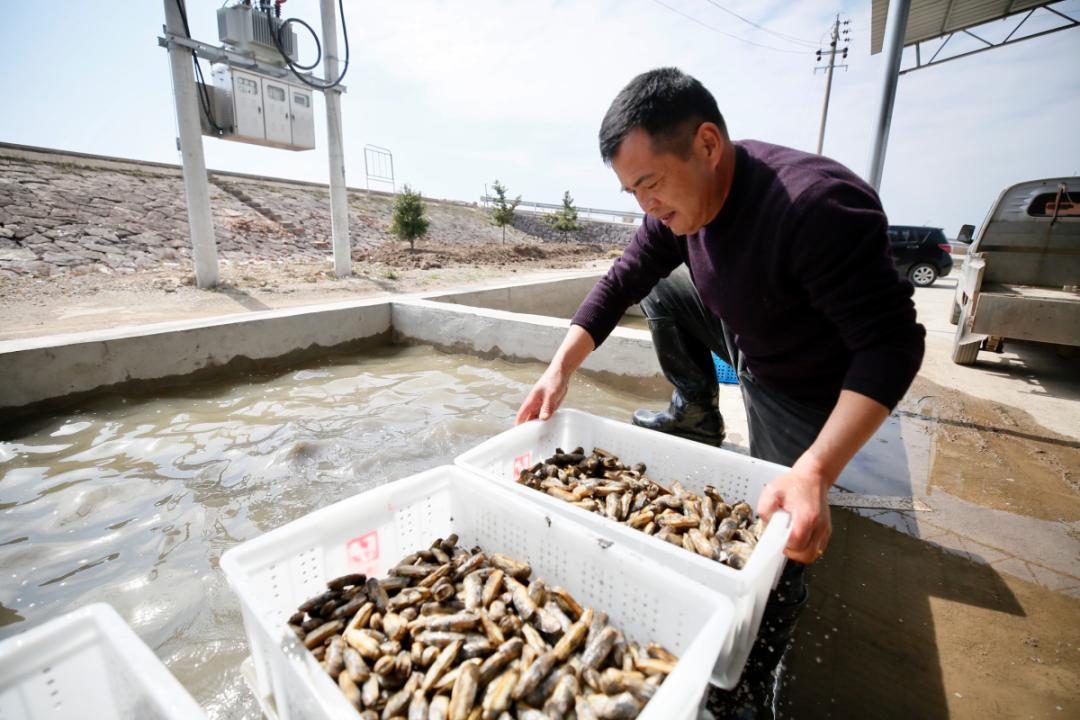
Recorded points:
(921, 254)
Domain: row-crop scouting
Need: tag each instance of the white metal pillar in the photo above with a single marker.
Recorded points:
(339, 207)
(200, 222)
(895, 28)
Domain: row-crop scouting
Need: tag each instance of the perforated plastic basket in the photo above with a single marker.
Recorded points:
(667, 459)
(87, 664)
(370, 532)
(725, 374)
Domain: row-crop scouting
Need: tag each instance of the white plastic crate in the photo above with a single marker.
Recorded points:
(667, 459)
(87, 664)
(370, 532)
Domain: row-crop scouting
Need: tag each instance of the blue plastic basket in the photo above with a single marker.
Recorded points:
(725, 374)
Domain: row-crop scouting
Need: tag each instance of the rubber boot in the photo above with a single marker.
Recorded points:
(693, 412)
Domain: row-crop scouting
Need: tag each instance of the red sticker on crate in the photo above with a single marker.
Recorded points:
(522, 462)
(362, 552)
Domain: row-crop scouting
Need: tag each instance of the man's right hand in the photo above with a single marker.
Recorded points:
(545, 397)
(550, 390)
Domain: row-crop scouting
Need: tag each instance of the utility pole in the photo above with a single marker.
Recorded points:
(834, 41)
(196, 186)
(339, 204)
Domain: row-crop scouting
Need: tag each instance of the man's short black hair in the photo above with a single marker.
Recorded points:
(668, 104)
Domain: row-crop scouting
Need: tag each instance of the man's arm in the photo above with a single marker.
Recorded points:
(650, 256)
(855, 285)
(803, 492)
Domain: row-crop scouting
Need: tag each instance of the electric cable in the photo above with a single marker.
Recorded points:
(314, 36)
(203, 93)
(297, 67)
(721, 32)
(782, 36)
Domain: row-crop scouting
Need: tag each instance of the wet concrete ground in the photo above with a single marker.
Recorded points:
(899, 628)
(972, 608)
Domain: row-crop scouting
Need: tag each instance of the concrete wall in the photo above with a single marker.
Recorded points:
(555, 298)
(518, 336)
(46, 368)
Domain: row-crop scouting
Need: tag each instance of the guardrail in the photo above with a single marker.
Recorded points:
(618, 217)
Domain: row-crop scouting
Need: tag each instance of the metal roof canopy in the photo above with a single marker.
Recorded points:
(897, 24)
(932, 19)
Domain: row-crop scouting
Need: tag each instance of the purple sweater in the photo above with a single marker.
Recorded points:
(797, 265)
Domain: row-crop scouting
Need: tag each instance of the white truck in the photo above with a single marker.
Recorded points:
(1020, 278)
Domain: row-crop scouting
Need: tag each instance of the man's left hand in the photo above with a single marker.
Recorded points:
(803, 493)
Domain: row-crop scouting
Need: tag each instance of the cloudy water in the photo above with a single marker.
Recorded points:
(132, 500)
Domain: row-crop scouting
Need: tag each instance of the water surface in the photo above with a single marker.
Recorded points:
(132, 500)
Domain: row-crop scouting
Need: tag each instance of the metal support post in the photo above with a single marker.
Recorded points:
(200, 222)
(895, 28)
(339, 208)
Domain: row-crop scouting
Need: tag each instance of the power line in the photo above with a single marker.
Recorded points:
(721, 32)
(782, 36)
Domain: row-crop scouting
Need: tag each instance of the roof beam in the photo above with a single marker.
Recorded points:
(990, 46)
(1019, 25)
(948, 16)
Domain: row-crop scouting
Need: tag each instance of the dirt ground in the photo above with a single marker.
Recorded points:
(31, 307)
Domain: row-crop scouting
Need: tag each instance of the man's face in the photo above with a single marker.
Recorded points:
(680, 193)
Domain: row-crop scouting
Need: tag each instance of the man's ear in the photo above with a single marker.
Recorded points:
(711, 141)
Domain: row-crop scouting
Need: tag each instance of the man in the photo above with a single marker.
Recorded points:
(777, 261)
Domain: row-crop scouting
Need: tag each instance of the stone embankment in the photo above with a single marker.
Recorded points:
(591, 232)
(64, 213)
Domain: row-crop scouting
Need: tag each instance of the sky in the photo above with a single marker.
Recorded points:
(467, 92)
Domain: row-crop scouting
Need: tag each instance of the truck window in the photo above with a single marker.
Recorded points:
(1043, 205)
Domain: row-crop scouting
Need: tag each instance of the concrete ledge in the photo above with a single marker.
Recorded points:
(518, 336)
(46, 368)
(557, 297)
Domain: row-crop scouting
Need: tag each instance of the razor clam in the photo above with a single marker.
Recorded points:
(445, 659)
(439, 708)
(349, 689)
(498, 697)
(463, 696)
(322, 633)
(623, 706)
(562, 697)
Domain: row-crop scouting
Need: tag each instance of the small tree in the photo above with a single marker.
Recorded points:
(503, 212)
(565, 220)
(408, 222)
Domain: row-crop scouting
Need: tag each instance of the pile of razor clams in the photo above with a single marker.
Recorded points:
(455, 634)
(600, 483)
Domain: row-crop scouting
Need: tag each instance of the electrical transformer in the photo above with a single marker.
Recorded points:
(252, 31)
